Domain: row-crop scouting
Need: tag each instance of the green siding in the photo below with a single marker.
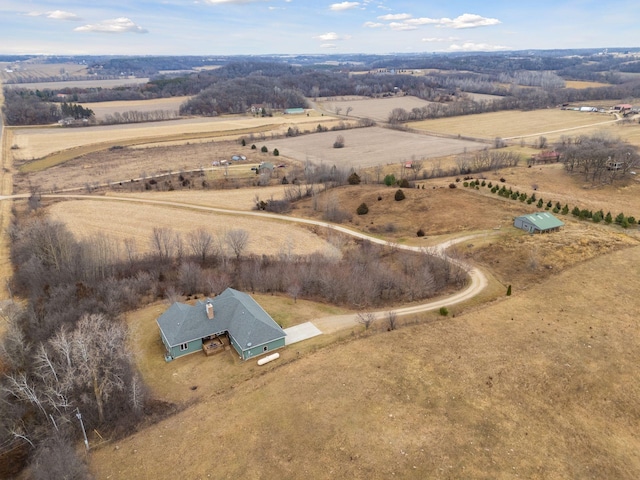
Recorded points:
(192, 347)
(258, 349)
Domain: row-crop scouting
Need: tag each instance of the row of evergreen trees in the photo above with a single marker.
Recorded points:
(583, 214)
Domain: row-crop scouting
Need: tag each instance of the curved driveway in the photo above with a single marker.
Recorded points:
(478, 281)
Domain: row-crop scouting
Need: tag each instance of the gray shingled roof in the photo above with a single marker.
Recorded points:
(234, 312)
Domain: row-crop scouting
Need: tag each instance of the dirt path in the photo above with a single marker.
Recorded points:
(477, 283)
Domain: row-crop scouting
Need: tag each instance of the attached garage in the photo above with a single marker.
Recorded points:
(541, 222)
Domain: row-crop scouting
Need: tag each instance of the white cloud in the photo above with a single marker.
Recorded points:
(476, 47)
(373, 25)
(237, 2)
(326, 37)
(328, 45)
(440, 39)
(338, 7)
(117, 25)
(401, 26)
(395, 16)
(469, 20)
(404, 21)
(56, 15)
(424, 21)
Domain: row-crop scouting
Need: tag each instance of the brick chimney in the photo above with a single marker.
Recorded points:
(209, 310)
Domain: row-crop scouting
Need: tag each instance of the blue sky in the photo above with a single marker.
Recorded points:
(230, 27)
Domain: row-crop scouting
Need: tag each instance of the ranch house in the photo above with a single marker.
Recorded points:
(541, 222)
(232, 319)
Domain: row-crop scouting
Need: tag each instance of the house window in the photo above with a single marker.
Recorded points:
(184, 346)
(265, 349)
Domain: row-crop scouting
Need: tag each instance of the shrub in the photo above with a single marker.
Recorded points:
(565, 209)
(339, 143)
(264, 149)
(509, 291)
(253, 147)
(404, 183)
(489, 185)
(399, 195)
(243, 142)
(619, 218)
(608, 218)
(362, 209)
(539, 204)
(443, 311)
(420, 233)
(575, 212)
(354, 179)
(379, 197)
(631, 220)
(502, 179)
(452, 185)
(482, 184)
(390, 180)
(465, 184)
(276, 152)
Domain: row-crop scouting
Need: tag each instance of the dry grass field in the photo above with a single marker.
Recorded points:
(579, 84)
(539, 385)
(368, 147)
(101, 109)
(35, 143)
(87, 218)
(116, 165)
(552, 123)
(377, 109)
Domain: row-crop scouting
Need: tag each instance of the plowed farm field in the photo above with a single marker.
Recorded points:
(368, 147)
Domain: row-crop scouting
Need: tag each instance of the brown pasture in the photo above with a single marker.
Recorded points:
(101, 109)
(90, 218)
(539, 385)
(377, 109)
(36, 143)
(550, 123)
(121, 165)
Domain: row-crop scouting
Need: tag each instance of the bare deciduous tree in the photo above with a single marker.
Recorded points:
(201, 244)
(162, 242)
(392, 320)
(237, 240)
(366, 319)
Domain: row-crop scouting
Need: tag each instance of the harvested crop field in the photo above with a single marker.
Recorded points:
(552, 123)
(377, 109)
(368, 147)
(120, 221)
(532, 386)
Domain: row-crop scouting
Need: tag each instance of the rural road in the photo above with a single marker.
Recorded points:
(478, 280)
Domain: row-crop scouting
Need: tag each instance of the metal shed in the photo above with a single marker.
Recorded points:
(540, 222)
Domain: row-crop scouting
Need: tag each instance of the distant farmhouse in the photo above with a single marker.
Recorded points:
(232, 319)
(541, 222)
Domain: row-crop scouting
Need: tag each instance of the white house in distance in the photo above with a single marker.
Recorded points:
(539, 222)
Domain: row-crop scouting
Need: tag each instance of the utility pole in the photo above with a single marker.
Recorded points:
(86, 442)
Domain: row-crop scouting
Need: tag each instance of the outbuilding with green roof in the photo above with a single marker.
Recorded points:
(539, 222)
